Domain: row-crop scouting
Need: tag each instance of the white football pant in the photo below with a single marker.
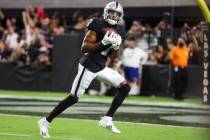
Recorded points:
(84, 78)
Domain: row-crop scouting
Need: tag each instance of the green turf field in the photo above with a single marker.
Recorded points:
(18, 127)
(26, 128)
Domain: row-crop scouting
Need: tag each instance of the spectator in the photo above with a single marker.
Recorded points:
(168, 44)
(2, 49)
(45, 26)
(1, 16)
(190, 37)
(80, 22)
(54, 21)
(195, 54)
(137, 30)
(151, 37)
(40, 12)
(163, 30)
(58, 30)
(1, 24)
(161, 55)
(12, 43)
(43, 57)
(198, 35)
(30, 29)
(179, 56)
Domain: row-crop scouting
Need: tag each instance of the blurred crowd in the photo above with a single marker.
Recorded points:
(29, 41)
(157, 42)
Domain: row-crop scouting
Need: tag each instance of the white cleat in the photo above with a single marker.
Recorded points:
(106, 122)
(43, 127)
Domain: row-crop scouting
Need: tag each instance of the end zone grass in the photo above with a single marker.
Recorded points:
(26, 128)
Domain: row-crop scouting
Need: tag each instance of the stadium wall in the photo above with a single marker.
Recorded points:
(66, 55)
(15, 77)
(158, 80)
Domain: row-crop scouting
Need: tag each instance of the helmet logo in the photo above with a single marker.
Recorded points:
(116, 4)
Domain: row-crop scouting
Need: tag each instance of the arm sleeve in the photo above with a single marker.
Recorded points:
(93, 25)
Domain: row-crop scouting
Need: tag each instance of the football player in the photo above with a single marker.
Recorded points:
(102, 40)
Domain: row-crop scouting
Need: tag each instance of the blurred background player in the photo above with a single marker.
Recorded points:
(102, 40)
(132, 59)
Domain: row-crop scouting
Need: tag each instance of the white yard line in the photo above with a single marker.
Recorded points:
(148, 124)
(59, 138)
(14, 134)
(23, 135)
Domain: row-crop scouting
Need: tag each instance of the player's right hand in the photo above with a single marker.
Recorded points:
(109, 38)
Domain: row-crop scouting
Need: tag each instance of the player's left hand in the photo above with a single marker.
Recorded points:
(116, 44)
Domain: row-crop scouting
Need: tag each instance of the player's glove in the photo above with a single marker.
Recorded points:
(117, 43)
(109, 38)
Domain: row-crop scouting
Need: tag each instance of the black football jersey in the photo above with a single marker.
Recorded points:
(96, 61)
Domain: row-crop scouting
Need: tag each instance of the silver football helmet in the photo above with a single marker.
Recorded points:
(110, 10)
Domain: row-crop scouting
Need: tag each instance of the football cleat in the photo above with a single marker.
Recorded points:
(43, 127)
(106, 122)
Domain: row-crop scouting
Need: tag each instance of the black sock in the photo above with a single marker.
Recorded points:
(64, 104)
(118, 99)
